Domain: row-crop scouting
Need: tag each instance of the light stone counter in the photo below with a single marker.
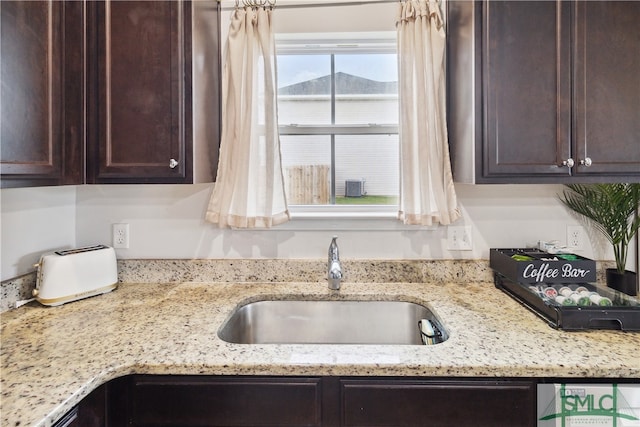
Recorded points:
(53, 357)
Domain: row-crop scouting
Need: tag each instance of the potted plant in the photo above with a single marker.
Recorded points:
(612, 209)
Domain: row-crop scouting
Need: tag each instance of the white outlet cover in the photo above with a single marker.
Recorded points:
(576, 237)
(120, 236)
(459, 238)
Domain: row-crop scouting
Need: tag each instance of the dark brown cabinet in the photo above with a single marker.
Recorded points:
(526, 88)
(186, 401)
(40, 121)
(607, 88)
(228, 401)
(437, 403)
(139, 75)
(100, 92)
(544, 91)
(90, 412)
(204, 400)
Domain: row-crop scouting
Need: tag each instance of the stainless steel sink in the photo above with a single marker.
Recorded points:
(332, 322)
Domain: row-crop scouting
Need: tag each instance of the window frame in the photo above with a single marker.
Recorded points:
(336, 44)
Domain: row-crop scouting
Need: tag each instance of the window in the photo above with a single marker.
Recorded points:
(338, 117)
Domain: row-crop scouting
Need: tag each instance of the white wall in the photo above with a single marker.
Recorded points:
(33, 221)
(166, 221)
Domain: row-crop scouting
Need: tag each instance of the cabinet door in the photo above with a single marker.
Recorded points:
(140, 79)
(607, 87)
(90, 412)
(31, 80)
(225, 401)
(454, 403)
(526, 85)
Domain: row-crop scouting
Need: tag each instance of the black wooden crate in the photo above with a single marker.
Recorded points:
(622, 314)
(542, 267)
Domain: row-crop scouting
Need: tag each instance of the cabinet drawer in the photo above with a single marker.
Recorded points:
(437, 403)
(226, 401)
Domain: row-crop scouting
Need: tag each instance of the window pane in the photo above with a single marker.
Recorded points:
(366, 89)
(306, 164)
(304, 89)
(363, 79)
(372, 160)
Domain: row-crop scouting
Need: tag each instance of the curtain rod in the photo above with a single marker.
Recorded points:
(322, 4)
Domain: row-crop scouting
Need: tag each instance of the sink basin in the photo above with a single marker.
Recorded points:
(332, 322)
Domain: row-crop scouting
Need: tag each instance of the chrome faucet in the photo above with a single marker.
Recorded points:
(334, 270)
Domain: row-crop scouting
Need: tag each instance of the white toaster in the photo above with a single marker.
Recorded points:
(72, 274)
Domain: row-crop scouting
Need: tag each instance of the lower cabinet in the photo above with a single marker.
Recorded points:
(191, 401)
(202, 401)
(91, 412)
(404, 402)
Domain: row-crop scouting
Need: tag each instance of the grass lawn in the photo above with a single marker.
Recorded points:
(367, 200)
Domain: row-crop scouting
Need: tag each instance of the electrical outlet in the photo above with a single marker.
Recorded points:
(575, 237)
(459, 238)
(121, 236)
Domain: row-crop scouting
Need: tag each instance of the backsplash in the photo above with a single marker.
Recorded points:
(314, 271)
(271, 270)
(17, 289)
(277, 271)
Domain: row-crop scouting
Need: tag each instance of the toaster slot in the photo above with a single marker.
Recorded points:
(80, 250)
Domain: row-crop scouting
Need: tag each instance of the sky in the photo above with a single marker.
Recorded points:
(298, 68)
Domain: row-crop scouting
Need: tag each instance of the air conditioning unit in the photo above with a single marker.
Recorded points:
(354, 188)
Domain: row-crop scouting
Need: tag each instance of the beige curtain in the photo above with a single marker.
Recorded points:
(249, 190)
(427, 194)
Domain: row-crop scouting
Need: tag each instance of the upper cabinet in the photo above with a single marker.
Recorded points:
(140, 78)
(101, 92)
(38, 119)
(606, 90)
(544, 91)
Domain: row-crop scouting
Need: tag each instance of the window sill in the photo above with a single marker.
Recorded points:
(312, 218)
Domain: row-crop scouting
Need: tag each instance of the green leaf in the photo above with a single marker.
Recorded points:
(610, 208)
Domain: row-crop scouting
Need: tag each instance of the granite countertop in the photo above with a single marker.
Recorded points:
(52, 357)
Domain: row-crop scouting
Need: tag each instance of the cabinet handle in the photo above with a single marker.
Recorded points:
(586, 162)
(173, 163)
(568, 163)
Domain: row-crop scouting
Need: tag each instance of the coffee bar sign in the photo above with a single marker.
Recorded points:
(545, 272)
(534, 266)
